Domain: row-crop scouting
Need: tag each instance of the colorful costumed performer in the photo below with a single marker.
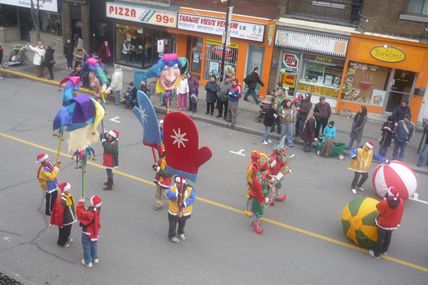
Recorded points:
(168, 70)
(184, 157)
(98, 79)
(261, 200)
(252, 169)
(360, 164)
(390, 212)
(110, 144)
(64, 214)
(46, 174)
(276, 164)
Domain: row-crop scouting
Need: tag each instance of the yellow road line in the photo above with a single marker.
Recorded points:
(232, 209)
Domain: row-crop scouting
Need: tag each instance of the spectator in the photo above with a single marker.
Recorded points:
(50, 61)
(388, 129)
(403, 134)
(211, 89)
(222, 97)
(280, 95)
(182, 92)
(357, 128)
(79, 55)
(77, 41)
(39, 53)
(252, 80)
(324, 109)
(234, 95)
(424, 152)
(68, 53)
(287, 116)
(126, 50)
(116, 83)
(131, 95)
(193, 91)
(105, 53)
(76, 70)
(401, 111)
(308, 133)
(268, 121)
(328, 144)
(302, 113)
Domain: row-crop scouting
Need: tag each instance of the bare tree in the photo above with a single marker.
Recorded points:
(35, 16)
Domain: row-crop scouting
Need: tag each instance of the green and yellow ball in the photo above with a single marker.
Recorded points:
(358, 221)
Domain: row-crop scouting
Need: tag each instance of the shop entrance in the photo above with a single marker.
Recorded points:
(402, 85)
(255, 59)
(213, 55)
(194, 54)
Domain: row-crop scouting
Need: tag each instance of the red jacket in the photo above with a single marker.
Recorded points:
(389, 218)
(275, 164)
(90, 220)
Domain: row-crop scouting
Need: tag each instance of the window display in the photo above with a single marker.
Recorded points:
(365, 84)
(214, 53)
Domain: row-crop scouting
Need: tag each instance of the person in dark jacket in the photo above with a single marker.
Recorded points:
(424, 153)
(401, 111)
(252, 80)
(324, 109)
(269, 120)
(131, 94)
(68, 53)
(110, 156)
(308, 133)
(211, 88)
(50, 61)
(387, 129)
(390, 212)
(193, 92)
(223, 97)
(403, 133)
(357, 128)
(302, 113)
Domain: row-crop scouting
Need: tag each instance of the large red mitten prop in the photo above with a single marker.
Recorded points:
(181, 140)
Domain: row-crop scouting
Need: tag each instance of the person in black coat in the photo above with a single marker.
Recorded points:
(68, 53)
(269, 120)
(50, 61)
(401, 111)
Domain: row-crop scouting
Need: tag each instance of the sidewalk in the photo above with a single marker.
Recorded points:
(247, 113)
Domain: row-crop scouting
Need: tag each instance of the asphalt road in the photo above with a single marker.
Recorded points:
(303, 241)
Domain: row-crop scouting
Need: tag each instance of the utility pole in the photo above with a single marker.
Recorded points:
(226, 38)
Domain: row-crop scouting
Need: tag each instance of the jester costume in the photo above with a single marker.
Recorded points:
(275, 163)
(260, 192)
(252, 169)
(46, 174)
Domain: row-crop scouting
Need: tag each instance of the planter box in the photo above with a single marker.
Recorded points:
(9, 34)
(55, 41)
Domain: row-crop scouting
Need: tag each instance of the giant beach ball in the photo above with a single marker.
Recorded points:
(396, 174)
(358, 221)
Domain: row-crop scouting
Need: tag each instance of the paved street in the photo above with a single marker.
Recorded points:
(303, 241)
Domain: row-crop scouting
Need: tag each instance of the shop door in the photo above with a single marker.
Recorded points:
(402, 85)
(103, 32)
(255, 58)
(213, 55)
(194, 54)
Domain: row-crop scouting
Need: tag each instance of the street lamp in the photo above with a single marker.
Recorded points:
(226, 34)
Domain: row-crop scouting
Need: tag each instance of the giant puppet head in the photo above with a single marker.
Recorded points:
(167, 69)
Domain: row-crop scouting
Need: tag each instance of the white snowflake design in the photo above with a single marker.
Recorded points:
(143, 114)
(179, 138)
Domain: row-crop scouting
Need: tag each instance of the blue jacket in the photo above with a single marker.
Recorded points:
(401, 134)
(329, 133)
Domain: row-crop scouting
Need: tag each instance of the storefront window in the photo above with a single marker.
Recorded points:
(138, 47)
(8, 16)
(366, 84)
(214, 53)
(321, 75)
(50, 23)
(196, 54)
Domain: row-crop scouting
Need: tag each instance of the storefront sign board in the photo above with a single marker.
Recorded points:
(378, 97)
(318, 90)
(219, 43)
(290, 63)
(311, 42)
(51, 6)
(215, 26)
(140, 14)
(288, 79)
(388, 54)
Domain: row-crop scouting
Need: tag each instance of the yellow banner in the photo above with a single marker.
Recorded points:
(318, 90)
(219, 43)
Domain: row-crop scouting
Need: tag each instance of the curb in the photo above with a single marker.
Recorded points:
(162, 110)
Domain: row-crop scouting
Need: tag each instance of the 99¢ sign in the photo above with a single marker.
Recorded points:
(140, 14)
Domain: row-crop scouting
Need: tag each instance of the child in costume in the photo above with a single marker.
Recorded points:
(360, 164)
(46, 174)
(180, 208)
(390, 211)
(64, 214)
(90, 221)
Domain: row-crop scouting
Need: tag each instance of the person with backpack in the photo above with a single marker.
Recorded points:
(403, 133)
(252, 80)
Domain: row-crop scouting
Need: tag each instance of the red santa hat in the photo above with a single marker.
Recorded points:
(42, 157)
(393, 193)
(114, 133)
(370, 145)
(65, 187)
(96, 201)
